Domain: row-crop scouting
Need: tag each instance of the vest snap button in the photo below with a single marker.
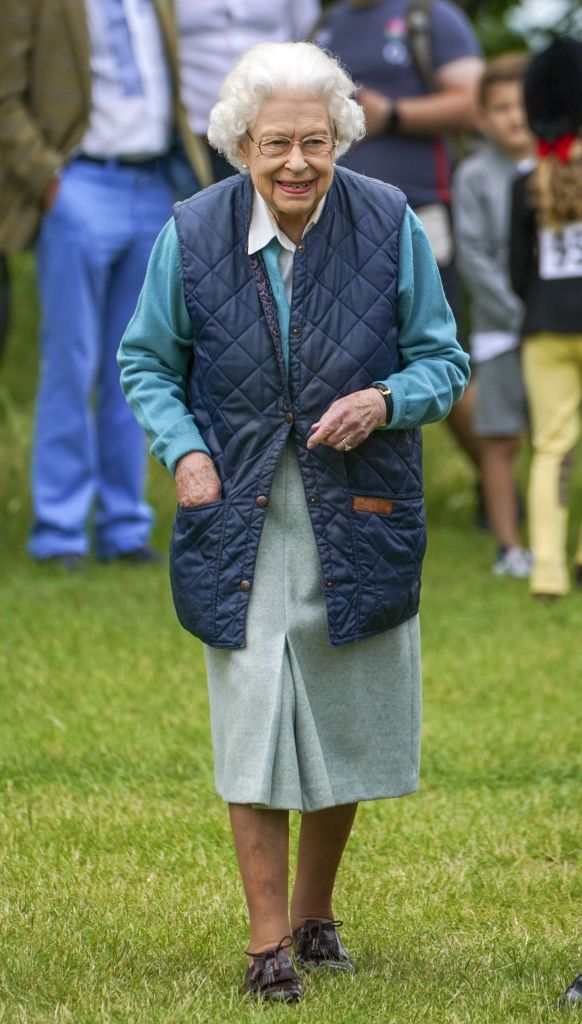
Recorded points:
(314, 500)
(245, 586)
(300, 248)
(262, 501)
(295, 330)
(289, 416)
(329, 584)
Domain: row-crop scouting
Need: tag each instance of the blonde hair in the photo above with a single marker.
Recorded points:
(268, 70)
(555, 188)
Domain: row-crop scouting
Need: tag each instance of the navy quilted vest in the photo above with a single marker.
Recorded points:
(343, 336)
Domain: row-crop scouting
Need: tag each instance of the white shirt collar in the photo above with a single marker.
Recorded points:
(264, 227)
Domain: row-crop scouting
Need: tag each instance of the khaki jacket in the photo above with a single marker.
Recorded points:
(45, 95)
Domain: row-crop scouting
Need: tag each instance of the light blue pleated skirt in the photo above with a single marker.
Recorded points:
(297, 723)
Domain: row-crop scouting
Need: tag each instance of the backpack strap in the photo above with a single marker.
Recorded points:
(418, 21)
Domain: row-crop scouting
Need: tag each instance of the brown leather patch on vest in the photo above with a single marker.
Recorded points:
(383, 506)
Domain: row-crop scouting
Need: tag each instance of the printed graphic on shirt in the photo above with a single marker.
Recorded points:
(372, 40)
(395, 49)
(561, 252)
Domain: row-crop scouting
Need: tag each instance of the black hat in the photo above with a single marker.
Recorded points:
(553, 90)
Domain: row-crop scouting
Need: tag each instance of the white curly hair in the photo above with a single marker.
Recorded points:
(283, 69)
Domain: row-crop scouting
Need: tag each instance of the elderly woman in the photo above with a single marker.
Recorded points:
(290, 339)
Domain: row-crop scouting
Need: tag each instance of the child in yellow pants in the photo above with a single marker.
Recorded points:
(552, 366)
(546, 273)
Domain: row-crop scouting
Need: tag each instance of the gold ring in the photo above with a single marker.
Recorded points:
(347, 447)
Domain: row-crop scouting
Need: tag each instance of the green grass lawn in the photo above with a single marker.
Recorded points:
(119, 894)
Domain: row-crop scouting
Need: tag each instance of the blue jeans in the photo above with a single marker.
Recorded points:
(88, 450)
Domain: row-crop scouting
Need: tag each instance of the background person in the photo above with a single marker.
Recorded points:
(311, 304)
(482, 199)
(413, 95)
(546, 273)
(87, 104)
(212, 36)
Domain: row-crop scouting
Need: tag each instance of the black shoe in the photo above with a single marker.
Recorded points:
(272, 977)
(137, 556)
(573, 994)
(70, 562)
(318, 944)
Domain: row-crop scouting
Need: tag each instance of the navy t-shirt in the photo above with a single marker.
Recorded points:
(372, 44)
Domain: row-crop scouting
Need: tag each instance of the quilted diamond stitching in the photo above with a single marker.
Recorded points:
(331, 289)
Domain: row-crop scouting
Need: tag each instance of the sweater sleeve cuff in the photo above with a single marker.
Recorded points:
(398, 402)
(170, 454)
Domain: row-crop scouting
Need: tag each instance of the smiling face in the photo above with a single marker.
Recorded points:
(293, 184)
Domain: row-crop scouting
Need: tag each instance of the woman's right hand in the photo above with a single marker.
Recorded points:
(197, 482)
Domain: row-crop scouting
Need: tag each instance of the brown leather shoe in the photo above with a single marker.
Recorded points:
(318, 944)
(272, 977)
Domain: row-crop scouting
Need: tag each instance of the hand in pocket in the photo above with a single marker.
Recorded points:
(197, 482)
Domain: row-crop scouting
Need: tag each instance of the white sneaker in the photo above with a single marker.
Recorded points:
(516, 562)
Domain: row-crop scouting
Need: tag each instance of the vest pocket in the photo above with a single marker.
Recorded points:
(390, 541)
(195, 550)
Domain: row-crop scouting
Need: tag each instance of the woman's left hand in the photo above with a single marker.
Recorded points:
(349, 420)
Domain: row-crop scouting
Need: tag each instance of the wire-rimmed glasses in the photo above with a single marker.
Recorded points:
(279, 145)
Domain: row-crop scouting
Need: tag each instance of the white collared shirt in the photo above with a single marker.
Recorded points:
(131, 100)
(264, 227)
(214, 33)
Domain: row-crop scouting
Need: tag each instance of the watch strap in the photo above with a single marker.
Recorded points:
(387, 396)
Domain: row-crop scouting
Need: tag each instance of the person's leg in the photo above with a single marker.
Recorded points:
(322, 840)
(71, 277)
(462, 415)
(554, 387)
(578, 560)
(141, 203)
(261, 839)
(578, 564)
(460, 423)
(497, 462)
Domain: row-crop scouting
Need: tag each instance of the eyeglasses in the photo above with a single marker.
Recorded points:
(280, 145)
